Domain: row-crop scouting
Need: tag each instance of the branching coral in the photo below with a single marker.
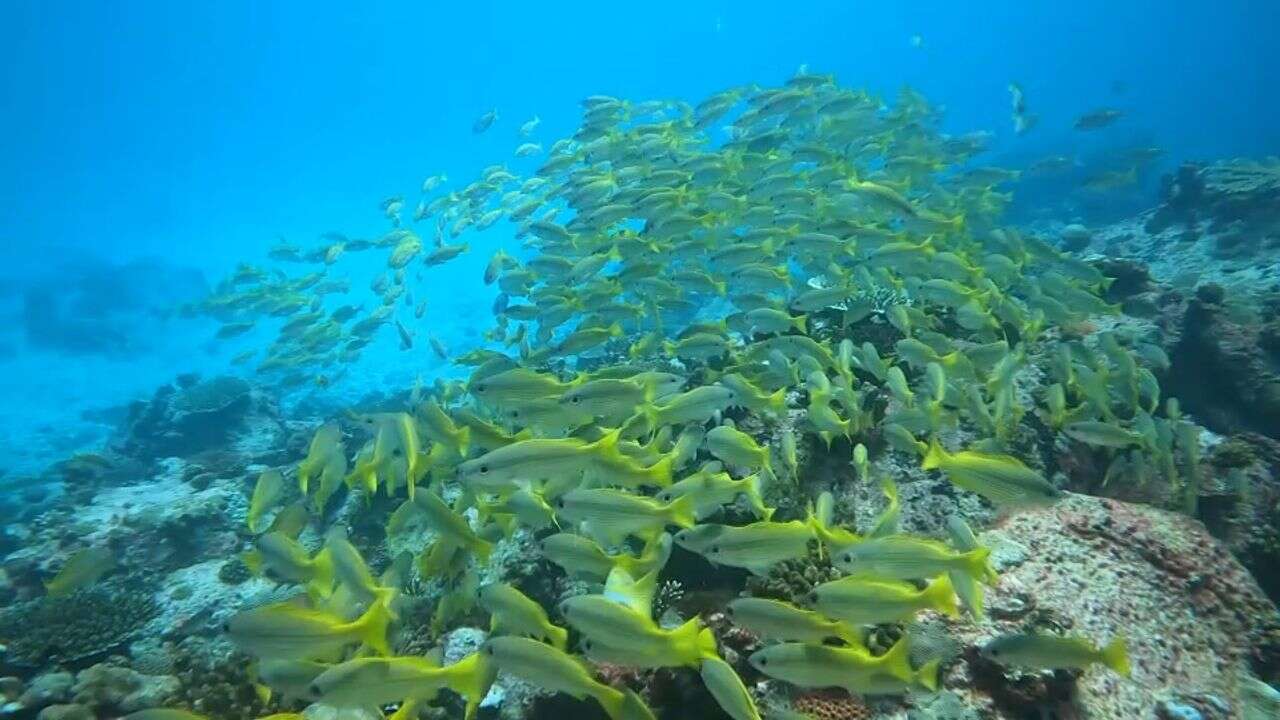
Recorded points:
(73, 629)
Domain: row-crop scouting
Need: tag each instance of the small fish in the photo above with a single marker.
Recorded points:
(266, 493)
(84, 568)
(513, 613)
(484, 122)
(870, 601)
(854, 669)
(1104, 434)
(1002, 479)
(1097, 119)
(612, 515)
(286, 630)
(756, 547)
(528, 126)
(1042, 651)
(617, 632)
(777, 620)
(902, 557)
(550, 669)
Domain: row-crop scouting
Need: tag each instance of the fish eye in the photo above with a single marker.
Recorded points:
(315, 690)
(575, 399)
(481, 387)
(715, 549)
(848, 557)
(813, 597)
(729, 611)
(764, 661)
(484, 469)
(489, 650)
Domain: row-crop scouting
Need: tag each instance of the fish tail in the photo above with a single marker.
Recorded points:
(660, 472)
(707, 647)
(853, 636)
(462, 442)
(559, 637)
(978, 565)
(372, 628)
(897, 661)
(799, 323)
(721, 287)
(304, 477)
(322, 581)
(941, 595)
(613, 701)
(927, 675)
(1116, 656)
(778, 401)
(755, 496)
(933, 457)
(471, 678)
(482, 549)
(682, 511)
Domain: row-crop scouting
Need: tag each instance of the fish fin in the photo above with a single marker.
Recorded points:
(755, 497)
(942, 596)
(372, 628)
(322, 583)
(482, 549)
(897, 660)
(471, 678)
(252, 559)
(660, 472)
(1116, 656)
(778, 401)
(559, 637)
(707, 647)
(798, 322)
(978, 566)
(928, 673)
(613, 701)
(462, 442)
(934, 456)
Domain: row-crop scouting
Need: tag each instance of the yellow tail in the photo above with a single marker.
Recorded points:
(927, 675)
(1116, 656)
(371, 628)
(977, 565)
(941, 596)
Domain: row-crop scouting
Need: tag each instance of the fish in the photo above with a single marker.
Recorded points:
(903, 557)
(617, 633)
(448, 523)
(1002, 479)
(756, 547)
(612, 515)
(1042, 651)
(513, 613)
(551, 669)
(81, 569)
(713, 489)
(738, 449)
(870, 601)
(266, 493)
(777, 620)
(484, 122)
(528, 126)
(287, 630)
(1096, 119)
(854, 669)
(722, 681)
(967, 587)
(371, 682)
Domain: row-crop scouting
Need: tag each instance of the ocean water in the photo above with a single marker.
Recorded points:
(153, 149)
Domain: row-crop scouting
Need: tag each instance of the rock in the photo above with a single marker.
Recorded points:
(123, 689)
(48, 689)
(1098, 568)
(66, 712)
(1075, 237)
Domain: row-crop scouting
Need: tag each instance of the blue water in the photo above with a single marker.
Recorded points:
(149, 146)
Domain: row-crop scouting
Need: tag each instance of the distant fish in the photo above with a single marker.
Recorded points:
(434, 182)
(1111, 180)
(1022, 120)
(1097, 119)
(1051, 165)
(917, 41)
(529, 126)
(81, 570)
(483, 122)
(528, 150)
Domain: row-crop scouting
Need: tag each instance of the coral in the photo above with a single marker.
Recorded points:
(70, 711)
(48, 689)
(794, 579)
(218, 685)
(830, 705)
(1220, 371)
(108, 687)
(234, 571)
(74, 629)
(185, 421)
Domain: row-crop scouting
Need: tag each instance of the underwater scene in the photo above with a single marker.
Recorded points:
(681, 360)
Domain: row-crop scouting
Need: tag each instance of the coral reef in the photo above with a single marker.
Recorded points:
(73, 630)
